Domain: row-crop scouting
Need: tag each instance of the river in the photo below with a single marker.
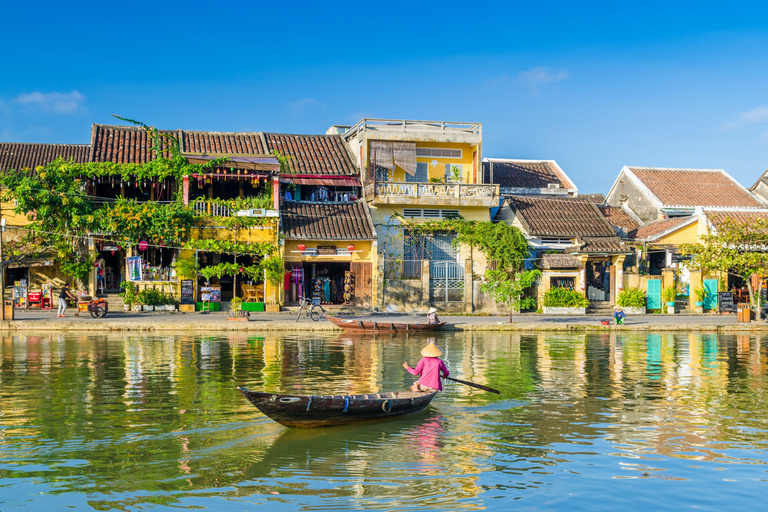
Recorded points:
(584, 422)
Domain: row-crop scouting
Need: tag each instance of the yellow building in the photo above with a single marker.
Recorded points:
(417, 171)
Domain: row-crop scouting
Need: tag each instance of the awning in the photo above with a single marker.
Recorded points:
(325, 182)
(41, 261)
(253, 162)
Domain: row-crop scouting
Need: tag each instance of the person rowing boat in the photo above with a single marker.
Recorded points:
(430, 368)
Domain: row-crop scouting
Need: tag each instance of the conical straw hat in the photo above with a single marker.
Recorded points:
(431, 350)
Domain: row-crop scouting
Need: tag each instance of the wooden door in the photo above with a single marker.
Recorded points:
(361, 284)
(654, 294)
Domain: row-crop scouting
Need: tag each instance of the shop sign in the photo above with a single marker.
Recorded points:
(187, 291)
(326, 250)
(109, 248)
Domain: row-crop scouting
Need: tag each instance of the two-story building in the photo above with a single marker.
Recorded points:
(413, 172)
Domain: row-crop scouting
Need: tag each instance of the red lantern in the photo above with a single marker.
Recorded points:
(302, 247)
(143, 245)
(351, 247)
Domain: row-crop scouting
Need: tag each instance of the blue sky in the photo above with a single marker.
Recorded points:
(594, 87)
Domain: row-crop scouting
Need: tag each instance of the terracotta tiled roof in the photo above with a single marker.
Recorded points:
(525, 173)
(658, 227)
(552, 261)
(602, 245)
(717, 217)
(327, 221)
(543, 216)
(314, 154)
(21, 155)
(121, 144)
(592, 198)
(616, 216)
(224, 142)
(309, 154)
(695, 187)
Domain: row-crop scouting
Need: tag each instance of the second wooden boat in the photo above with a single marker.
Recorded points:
(305, 411)
(351, 325)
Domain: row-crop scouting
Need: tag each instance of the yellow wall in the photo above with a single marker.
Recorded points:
(205, 228)
(687, 235)
(291, 250)
(438, 171)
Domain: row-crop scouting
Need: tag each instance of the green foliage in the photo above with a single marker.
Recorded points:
(456, 174)
(274, 269)
(231, 269)
(284, 160)
(170, 299)
(510, 290)
(132, 221)
(78, 266)
(631, 298)
(151, 297)
(129, 294)
(736, 247)
(564, 298)
(700, 293)
(186, 268)
(228, 247)
(669, 294)
(435, 180)
(235, 303)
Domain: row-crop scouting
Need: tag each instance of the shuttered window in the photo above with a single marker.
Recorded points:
(422, 174)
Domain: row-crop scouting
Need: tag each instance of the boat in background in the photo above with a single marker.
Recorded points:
(372, 326)
(306, 411)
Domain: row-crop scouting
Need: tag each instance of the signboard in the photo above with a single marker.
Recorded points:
(327, 250)
(187, 291)
(726, 302)
(133, 268)
(210, 293)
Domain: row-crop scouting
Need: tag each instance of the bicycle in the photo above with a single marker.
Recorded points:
(313, 311)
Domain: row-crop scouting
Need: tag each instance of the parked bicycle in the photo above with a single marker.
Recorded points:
(313, 311)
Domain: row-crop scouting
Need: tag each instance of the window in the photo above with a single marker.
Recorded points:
(382, 174)
(454, 173)
(438, 153)
(422, 174)
(430, 213)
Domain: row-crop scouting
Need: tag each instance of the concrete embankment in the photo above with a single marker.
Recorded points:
(29, 322)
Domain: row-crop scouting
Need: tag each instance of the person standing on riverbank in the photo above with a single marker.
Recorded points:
(430, 368)
(65, 293)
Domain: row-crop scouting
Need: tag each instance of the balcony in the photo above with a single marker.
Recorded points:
(437, 194)
(416, 130)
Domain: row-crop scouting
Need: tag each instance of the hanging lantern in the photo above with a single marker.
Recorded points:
(302, 247)
(143, 245)
(351, 247)
(113, 253)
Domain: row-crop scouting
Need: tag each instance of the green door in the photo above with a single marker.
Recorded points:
(710, 302)
(654, 294)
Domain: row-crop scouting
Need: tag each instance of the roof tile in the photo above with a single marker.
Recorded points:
(327, 221)
(524, 173)
(22, 155)
(545, 216)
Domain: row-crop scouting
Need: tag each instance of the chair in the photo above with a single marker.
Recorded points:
(249, 293)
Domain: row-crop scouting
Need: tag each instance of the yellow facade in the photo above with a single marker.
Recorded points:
(437, 164)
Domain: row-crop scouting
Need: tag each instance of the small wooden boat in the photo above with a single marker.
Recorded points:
(373, 326)
(305, 411)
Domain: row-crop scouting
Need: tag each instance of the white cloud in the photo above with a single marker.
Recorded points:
(538, 77)
(756, 115)
(297, 107)
(52, 102)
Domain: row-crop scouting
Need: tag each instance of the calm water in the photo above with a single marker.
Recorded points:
(584, 422)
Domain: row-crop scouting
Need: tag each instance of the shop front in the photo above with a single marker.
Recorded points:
(336, 273)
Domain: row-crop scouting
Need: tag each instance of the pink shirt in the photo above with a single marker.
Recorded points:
(430, 369)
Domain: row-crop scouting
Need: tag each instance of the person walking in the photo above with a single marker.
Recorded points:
(430, 368)
(65, 293)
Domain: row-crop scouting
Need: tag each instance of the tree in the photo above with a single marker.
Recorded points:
(738, 248)
(510, 290)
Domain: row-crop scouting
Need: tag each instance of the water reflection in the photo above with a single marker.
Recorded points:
(128, 421)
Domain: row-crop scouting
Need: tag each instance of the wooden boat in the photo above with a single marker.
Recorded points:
(305, 411)
(373, 326)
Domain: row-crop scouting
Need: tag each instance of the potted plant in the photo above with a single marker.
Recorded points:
(274, 270)
(564, 301)
(701, 295)
(169, 301)
(128, 295)
(632, 300)
(669, 294)
(235, 304)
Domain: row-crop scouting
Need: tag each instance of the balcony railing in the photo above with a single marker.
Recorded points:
(437, 190)
(403, 126)
(216, 209)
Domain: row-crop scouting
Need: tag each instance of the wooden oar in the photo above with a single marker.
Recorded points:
(478, 386)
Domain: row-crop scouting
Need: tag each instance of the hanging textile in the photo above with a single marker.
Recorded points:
(381, 154)
(404, 155)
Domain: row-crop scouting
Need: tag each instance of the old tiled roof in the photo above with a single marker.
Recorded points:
(121, 144)
(717, 217)
(602, 245)
(308, 154)
(616, 216)
(244, 143)
(525, 173)
(657, 227)
(327, 221)
(695, 187)
(313, 154)
(22, 155)
(542, 216)
(592, 198)
(553, 261)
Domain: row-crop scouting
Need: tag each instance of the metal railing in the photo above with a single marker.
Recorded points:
(413, 126)
(211, 208)
(402, 269)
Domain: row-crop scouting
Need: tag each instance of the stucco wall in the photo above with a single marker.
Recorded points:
(628, 192)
